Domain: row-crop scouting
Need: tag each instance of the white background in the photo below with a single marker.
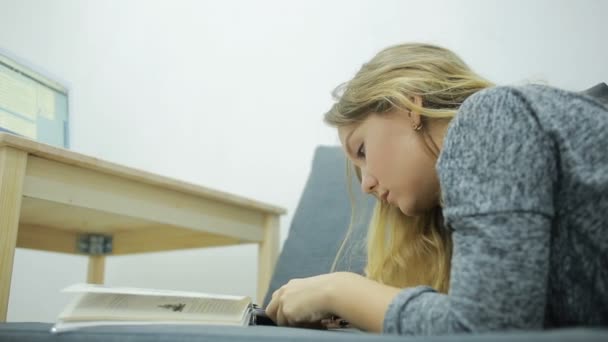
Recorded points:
(230, 95)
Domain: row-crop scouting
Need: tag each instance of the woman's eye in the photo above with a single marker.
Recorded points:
(361, 151)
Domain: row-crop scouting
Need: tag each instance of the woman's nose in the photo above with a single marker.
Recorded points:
(368, 183)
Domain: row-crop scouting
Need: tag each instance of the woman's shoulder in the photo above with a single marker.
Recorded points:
(507, 98)
(536, 97)
(502, 98)
(494, 155)
(493, 110)
(507, 138)
(488, 121)
(516, 108)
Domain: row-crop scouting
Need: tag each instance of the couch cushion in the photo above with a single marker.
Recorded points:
(39, 332)
(599, 92)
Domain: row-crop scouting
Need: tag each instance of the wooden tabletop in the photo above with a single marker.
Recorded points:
(73, 158)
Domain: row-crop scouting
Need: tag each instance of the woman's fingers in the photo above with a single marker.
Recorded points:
(271, 309)
(281, 319)
(335, 323)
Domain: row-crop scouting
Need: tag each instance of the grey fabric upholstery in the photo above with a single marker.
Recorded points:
(38, 332)
(321, 221)
(598, 92)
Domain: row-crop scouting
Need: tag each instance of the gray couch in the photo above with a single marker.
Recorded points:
(317, 229)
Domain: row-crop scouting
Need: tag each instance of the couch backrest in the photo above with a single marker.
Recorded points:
(598, 92)
(320, 223)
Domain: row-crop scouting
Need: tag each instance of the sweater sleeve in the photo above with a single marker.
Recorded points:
(497, 175)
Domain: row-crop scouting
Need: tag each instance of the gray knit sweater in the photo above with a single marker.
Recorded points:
(524, 175)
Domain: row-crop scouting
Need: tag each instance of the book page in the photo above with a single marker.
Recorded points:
(89, 288)
(63, 326)
(116, 306)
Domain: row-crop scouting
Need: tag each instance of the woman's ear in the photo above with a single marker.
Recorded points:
(414, 115)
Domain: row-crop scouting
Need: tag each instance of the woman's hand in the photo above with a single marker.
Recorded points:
(307, 301)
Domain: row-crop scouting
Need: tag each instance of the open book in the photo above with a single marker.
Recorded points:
(95, 305)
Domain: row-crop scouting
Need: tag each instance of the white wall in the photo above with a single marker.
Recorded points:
(230, 95)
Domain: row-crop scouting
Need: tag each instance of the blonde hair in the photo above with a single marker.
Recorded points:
(406, 251)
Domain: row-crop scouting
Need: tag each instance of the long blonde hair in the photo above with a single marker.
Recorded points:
(406, 251)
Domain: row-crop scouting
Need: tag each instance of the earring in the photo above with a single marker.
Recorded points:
(418, 127)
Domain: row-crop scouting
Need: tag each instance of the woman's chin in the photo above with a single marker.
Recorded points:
(405, 209)
(408, 209)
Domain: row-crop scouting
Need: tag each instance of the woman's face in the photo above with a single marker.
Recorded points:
(395, 162)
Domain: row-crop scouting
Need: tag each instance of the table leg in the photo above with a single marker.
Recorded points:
(12, 175)
(267, 255)
(96, 269)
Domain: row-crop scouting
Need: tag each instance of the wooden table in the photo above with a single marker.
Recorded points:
(57, 200)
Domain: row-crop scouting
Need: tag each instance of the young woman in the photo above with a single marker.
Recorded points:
(492, 207)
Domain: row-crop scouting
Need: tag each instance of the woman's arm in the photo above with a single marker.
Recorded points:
(352, 297)
(360, 301)
(499, 277)
(498, 280)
